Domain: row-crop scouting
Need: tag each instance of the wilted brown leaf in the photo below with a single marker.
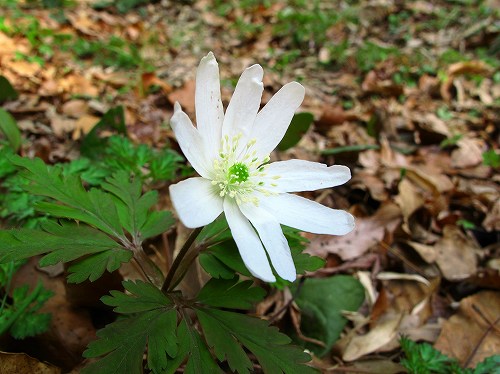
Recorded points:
(184, 95)
(367, 233)
(456, 254)
(383, 333)
(21, 363)
(472, 334)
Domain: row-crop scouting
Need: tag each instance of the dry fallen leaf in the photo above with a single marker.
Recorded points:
(455, 254)
(21, 363)
(472, 334)
(184, 95)
(383, 333)
(83, 125)
(367, 233)
(469, 153)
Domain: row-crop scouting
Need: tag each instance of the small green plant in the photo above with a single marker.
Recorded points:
(306, 22)
(491, 158)
(423, 358)
(370, 54)
(19, 313)
(451, 142)
(114, 52)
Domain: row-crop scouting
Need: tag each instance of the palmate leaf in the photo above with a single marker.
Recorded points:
(134, 210)
(227, 331)
(93, 207)
(65, 242)
(152, 322)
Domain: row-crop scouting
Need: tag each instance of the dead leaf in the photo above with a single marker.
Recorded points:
(409, 200)
(83, 125)
(367, 233)
(383, 333)
(77, 84)
(375, 186)
(492, 220)
(455, 254)
(427, 252)
(62, 126)
(21, 363)
(24, 68)
(471, 335)
(469, 153)
(184, 95)
(476, 67)
(75, 108)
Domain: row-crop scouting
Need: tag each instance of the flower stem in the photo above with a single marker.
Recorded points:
(178, 260)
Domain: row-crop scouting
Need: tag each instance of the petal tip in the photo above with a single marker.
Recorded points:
(177, 107)
(256, 71)
(351, 221)
(209, 60)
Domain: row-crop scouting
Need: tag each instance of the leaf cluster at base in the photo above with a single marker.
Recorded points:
(161, 325)
(112, 221)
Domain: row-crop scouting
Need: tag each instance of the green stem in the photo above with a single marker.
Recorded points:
(148, 267)
(167, 285)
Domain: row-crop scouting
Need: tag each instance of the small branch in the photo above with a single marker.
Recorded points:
(178, 260)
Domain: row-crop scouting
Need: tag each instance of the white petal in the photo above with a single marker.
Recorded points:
(209, 110)
(274, 241)
(244, 104)
(248, 243)
(273, 120)
(190, 141)
(301, 175)
(307, 215)
(196, 201)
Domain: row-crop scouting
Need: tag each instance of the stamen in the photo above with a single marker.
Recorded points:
(239, 175)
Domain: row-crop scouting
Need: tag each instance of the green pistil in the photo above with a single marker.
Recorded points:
(238, 173)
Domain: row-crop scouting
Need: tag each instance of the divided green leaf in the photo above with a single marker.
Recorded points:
(93, 207)
(65, 242)
(152, 324)
(134, 210)
(227, 332)
(21, 317)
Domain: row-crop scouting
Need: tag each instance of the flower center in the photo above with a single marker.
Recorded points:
(238, 172)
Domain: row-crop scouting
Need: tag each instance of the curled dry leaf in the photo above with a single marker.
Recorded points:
(492, 220)
(409, 200)
(383, 333)
(469, 153)
(471, 335)
(367, 233)
(22, 363)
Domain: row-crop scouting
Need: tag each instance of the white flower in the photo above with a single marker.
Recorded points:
(231, 153)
